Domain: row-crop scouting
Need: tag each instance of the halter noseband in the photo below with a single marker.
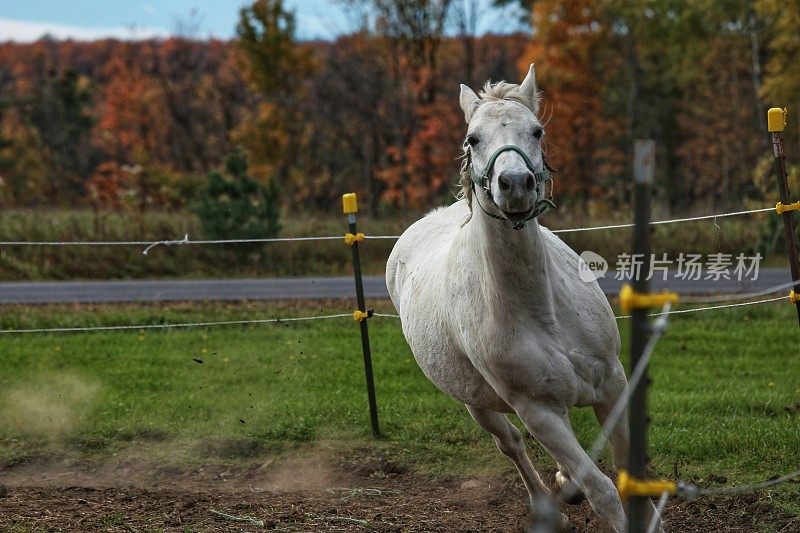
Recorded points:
(541, 177)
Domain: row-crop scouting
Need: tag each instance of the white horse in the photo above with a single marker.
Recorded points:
(494, 309)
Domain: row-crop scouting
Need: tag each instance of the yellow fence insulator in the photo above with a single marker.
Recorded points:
(628, 486)
(358, 316)
(630, 299)
(781, 208)
(351, 239)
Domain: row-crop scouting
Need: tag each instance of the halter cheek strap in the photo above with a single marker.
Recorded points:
(542, 178)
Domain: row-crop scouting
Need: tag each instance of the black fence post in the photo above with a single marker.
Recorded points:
(644, 164)
(350, 208)
(776, 120)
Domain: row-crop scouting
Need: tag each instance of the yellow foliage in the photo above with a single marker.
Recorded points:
(24, 172)
(263, 136)
(782, 81)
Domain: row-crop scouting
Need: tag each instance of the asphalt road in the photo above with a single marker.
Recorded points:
(300, 288)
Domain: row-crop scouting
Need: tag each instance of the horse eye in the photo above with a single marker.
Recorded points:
(538, 131)
(472, 140)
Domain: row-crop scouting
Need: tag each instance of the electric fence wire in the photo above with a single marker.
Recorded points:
(176, 325)
(186, 241)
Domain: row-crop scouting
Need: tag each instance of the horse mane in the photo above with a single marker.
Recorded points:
(491, 92)
(503, 90)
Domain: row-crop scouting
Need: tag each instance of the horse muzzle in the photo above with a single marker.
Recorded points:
(521, 191)
(516, 193)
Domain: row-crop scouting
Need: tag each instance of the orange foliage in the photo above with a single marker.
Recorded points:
(377, 111)
(128, 125)
(567, 43)
(429, 158)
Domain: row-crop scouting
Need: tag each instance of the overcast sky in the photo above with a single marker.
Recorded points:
(27, 20)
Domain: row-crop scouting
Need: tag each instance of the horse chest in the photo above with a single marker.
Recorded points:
(550, 365)
(448, 367)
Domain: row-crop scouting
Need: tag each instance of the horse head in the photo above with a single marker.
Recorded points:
(503, 150)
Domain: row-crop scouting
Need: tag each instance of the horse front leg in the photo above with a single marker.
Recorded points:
(550, 426)
(510, 442)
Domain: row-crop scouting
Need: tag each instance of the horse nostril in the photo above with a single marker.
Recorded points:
(503, 182)
(529, 183)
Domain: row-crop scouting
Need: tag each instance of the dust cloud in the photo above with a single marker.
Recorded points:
(46, 405)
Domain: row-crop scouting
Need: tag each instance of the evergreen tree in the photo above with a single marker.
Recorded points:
(233, 205)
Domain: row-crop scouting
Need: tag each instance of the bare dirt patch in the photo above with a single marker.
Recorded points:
(307, 492)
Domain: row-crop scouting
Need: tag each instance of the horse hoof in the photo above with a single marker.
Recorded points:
(564, 526)
(576, 495)
(561, 526)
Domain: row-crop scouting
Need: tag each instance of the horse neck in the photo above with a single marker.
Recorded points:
(514, 265)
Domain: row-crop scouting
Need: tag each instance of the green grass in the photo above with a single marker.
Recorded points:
(725, 396)
(112, 519)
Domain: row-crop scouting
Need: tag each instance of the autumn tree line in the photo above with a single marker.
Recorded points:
(140, 124)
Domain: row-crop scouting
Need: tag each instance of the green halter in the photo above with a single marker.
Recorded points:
(542, 177)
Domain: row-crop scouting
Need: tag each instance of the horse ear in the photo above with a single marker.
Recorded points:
(528, 90)
(469, 102)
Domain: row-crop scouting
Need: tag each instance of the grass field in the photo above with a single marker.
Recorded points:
(725, 399)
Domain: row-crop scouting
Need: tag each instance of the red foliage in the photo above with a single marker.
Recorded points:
(107, 185)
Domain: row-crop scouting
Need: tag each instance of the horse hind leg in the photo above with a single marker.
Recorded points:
(509, 441)
(619, 435)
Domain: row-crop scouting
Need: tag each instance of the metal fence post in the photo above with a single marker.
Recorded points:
(776, 120)
(644, 164)
(350, 208)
